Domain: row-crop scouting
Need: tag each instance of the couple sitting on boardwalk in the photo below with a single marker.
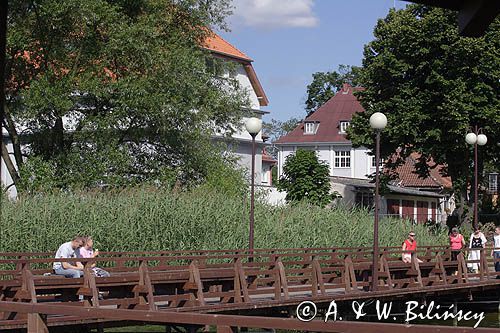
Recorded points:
(79, 247)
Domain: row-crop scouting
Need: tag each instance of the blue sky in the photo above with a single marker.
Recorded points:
(289, 40)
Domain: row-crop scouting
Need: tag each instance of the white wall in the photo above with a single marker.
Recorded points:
(243, 147)
(271, 195)
(347, 193)
(242, 77)
(360, 160)
(243, 151)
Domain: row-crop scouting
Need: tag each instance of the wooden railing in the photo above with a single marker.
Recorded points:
(223, 280)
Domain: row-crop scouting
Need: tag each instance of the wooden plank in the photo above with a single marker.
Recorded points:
(243, 281)
(237, 283)
(319, 275)
(386, 270)
(226, 329)
(346, 275)
(463, 275)
(283, 279)
(196, 278)
(149, 287)
(37, 323)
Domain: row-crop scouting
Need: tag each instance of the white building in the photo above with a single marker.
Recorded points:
(325, 132)
(246, 76)
(248, 80)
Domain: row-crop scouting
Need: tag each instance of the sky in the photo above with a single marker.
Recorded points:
(289, 40)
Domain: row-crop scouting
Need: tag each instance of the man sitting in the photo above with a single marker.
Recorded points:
(67, 250)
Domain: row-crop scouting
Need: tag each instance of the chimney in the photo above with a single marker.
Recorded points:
(345, 88)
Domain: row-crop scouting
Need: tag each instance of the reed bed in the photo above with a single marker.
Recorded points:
(151, 219)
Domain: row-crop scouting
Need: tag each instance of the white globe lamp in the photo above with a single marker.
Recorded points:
(482, 139)
(378, 121)
(253, 125)
(471, 138)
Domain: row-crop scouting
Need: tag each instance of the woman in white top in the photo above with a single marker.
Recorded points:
(477, 241)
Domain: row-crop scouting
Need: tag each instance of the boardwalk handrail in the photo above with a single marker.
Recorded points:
(228, 281)
(224, 323)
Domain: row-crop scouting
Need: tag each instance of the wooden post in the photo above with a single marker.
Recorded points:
(463, 276)
(319, 276)
(350, 282)
(416, 267)
(226, 329)
(37, 323)
(283, 280)
(195, 284)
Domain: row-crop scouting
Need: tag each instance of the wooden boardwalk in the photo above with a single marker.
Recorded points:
(224, 282)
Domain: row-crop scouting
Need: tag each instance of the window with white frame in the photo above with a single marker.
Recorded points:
(493, 182)
(309, 128)
(342, 159)
(265, 175)
(343, 126)
(374, 163)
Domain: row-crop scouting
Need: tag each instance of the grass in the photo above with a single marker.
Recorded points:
(152, 219)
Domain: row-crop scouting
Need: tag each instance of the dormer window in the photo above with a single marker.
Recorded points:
(310, 127)
(343, 126)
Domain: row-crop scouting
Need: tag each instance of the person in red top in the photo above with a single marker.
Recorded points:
(410, 244)
(457, 242)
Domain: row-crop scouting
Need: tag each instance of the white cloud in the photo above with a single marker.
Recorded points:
(275, 13)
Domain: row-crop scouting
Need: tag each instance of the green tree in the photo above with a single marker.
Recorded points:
(305, 178)
(276, 129)
(432, 85)
(116, 91)
(326, 84)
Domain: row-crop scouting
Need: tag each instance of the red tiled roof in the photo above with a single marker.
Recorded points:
(407, 176)
(217, 44)
(267, 158)
(340, 107)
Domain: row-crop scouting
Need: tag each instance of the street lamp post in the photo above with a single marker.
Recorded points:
(378, 121)
(253, 126)
(476, 138)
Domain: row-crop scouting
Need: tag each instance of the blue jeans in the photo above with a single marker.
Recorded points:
(71, 273)
(496, 255)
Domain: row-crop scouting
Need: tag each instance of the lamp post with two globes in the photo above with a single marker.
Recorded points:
(378, 121)
(253, 126)
(476, 138)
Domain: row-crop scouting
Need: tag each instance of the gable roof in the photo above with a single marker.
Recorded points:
(341, 107)
(221, 47)
(267, 158)
(217, 44)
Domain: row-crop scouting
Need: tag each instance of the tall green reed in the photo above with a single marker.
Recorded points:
(152, 219)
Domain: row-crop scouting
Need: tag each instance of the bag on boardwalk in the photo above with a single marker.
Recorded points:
(99, 272)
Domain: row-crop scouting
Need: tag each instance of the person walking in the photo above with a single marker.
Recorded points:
(67, 250)
(476, 243)
(457, 242)
(496, 251)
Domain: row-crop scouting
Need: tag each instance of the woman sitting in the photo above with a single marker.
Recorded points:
(86, 251)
